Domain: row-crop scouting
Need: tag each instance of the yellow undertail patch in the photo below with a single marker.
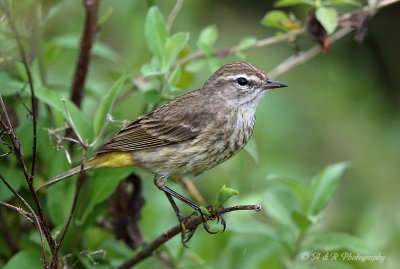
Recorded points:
(112, 159)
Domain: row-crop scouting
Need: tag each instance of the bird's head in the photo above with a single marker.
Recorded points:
(240, 82)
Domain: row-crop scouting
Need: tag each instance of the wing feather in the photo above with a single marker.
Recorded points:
(177, 121)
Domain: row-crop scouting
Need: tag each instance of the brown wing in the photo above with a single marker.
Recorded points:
(179, 120)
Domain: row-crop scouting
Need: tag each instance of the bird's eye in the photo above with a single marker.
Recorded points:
(242, 81)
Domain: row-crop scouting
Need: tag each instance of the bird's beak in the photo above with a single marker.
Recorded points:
(271, 84)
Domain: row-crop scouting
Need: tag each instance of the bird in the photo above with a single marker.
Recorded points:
(189, 134)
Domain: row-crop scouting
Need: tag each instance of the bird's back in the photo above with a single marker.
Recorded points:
(188, 135)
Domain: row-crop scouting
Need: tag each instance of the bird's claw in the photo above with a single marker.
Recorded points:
(186, 234)
(213, 214)
(221, 217)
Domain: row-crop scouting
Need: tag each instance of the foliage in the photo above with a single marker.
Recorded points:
(288, 233)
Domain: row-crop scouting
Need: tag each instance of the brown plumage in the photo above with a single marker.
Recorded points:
(191, 133)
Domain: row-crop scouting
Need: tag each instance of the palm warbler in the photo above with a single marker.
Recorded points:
(190, 134)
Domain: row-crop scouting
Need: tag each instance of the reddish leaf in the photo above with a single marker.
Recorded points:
(317, 32)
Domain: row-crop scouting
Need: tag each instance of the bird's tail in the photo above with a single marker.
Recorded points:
(110, 159)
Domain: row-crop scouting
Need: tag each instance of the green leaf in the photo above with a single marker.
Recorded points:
(207, 38)
(14, 177)
(59, 200)
(152, 96)
(274, 18)
(324, 185)
(281, 20)
(246, 43)
(54, 100)
(106, 181)
(224, 195)
(328, 18)
(105, 16)
(174, 45)
(329, 242)
(279, 204)
(25, 259)
(208, 35)
(213, 62)
(251, 149)
(300, 190)
(107, 104)
(51, 53)
(205, 211)
(175, 76)
(148, 84)
(195, 66)
(9, 85)
(156, 33)
(105, 52)
(342, 2)
(301, 221)
(151, 69)
(19, 66)
(287, 3)
(99, 49)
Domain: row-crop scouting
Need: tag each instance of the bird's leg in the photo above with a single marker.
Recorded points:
(160, 182)
(185, 234)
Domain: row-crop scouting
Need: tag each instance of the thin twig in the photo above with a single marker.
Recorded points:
(73, 127)
(87, 40)
(36, 220)
(42, 225)
(174, 13)
(103, 129)
(74, 201)
(302, 57)
(222, 53)
(191, 223)
(20, 210)
(31, 87)
(29, 176)
(80, 178)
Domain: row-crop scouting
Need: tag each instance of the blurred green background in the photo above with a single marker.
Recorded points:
(339, 106)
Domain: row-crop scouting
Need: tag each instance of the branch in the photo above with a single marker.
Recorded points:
(82, 66)
(74, 202)
(42, 225)
(80, 178)
(191, 223)
(73, 127)
(32, 217)
(20, 210)
(222, 53)
(174, 13)
(302, 57)
(24, 59)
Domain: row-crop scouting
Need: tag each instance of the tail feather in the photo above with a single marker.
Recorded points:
(64, 175)
(110, 159)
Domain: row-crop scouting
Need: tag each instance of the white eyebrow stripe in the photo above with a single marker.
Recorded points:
(234, 77)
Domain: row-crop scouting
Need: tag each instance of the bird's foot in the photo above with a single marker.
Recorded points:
(186, 234)
(207, 213)
(212, 213)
